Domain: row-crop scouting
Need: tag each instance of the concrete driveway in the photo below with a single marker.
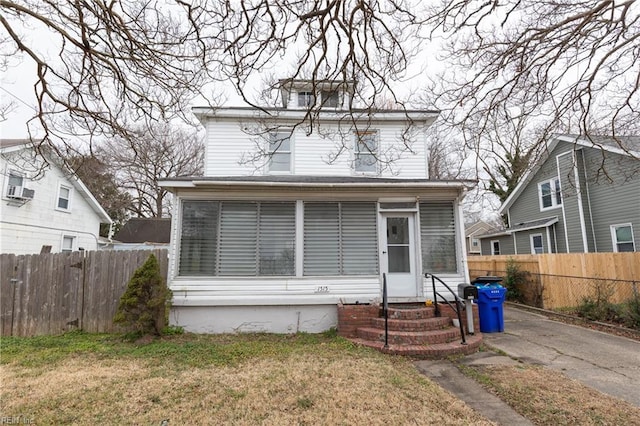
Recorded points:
(605, 362)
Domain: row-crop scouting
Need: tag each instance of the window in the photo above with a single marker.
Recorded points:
(495, 247)
(306, 99)
(67, 243)
(366, 150)
(536, 244)
(438, 237)
(225, 238)
(475, 242)
(14, 186)
(340, 238)
(64, 198)
(550, 195)
(330, 98)
(280, 152)
(622, 236)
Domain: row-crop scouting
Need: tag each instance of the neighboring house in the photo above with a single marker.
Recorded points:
(472, 233)
(45, 207)
(142, 234)
(285, 224)
(584, 196)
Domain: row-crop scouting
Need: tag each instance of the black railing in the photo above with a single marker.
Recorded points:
(456, 308)
(385, 310)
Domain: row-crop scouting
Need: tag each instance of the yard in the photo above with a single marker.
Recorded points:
(80, 378)
(247, 379)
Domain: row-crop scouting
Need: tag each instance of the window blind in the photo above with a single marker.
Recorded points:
(438, 237)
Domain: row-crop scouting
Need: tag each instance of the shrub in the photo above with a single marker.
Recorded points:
(514, 280)
(632, 313)
(142, 307)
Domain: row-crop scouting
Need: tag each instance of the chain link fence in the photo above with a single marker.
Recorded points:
(594, 298)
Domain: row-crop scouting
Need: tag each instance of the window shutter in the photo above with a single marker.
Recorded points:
(321, 239)
(238, 239)
(277, 238)
(198, 241)
(359, 238)
(438, 237)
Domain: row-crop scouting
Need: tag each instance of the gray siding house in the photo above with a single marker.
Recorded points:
(584, 196)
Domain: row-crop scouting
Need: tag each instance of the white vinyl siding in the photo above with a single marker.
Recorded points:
(340, 238)
(237, 238)
(438, 237)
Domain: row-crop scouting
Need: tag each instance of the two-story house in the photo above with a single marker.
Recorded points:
(45, 207)
(583, 196)
(291, 219)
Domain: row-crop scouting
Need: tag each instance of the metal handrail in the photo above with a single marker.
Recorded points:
(456, 308)
(385, 310)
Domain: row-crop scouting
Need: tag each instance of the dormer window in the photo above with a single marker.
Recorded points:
(330, 98)
(306, 99)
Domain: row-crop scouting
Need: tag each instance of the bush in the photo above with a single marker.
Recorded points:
(632, 313)
(514, 281)
(142, 307)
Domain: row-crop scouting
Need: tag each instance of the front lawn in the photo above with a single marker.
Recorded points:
(265, 379)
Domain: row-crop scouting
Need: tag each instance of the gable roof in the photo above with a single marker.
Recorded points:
(604, 143)
(478, 228)
(145, 230)
(14, 145)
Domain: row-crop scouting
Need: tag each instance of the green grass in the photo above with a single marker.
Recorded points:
(186, 350)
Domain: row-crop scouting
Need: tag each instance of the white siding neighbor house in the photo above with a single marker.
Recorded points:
(290, 220)
(45, 208)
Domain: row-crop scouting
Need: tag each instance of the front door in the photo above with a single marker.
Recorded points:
(399, 254)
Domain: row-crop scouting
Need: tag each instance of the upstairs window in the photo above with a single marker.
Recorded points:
(280, 152)
(550, 195)
(306, 99)
(64, 198)
(622, 236)
(14, 187)
(330, 98)
(366, 152)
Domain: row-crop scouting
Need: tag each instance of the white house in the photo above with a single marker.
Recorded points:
(45, 208)
(289, 220)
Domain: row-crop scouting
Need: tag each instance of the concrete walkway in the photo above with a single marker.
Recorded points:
(607, 363)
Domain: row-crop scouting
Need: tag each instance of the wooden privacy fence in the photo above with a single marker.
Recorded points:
(53, 293)
(566, 279)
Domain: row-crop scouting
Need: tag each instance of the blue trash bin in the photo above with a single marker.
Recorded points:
(491, 296)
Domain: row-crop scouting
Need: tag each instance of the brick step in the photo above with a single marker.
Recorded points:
(412, 313)
(440, 350)
(410, 337)
(425, 324)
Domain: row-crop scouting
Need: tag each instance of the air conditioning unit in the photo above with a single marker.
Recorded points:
(20, 193)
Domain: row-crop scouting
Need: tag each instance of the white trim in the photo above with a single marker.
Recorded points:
(614, 237)
(548, 239)
(586, 187)
(515, 243)
(299, 240)
(564, 214)
(533, 247)
(459, 241)
(583, 228)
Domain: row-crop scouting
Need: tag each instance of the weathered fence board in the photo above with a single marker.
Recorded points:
(53, 293)
(569, 278)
